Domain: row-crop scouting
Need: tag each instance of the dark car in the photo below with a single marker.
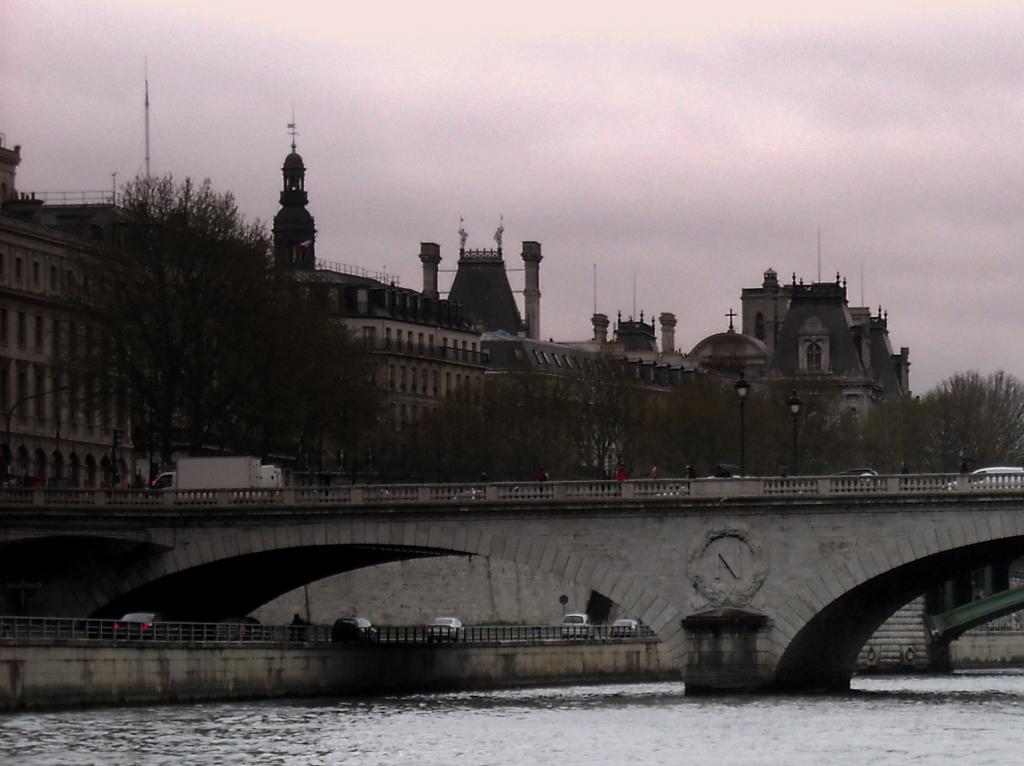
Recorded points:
(347, 630)
(239, 629)
(137, 625)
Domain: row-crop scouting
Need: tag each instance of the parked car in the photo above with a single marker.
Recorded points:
(445, 629)
(137, 625)
(997, 477)
(625, 628)
(239, 629)
(576, 625)
(857, 472)
(353, 629)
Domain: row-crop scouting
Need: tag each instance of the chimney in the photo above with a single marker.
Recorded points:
(600, 322)
(668, 332)
(430, 255)
(531, 292)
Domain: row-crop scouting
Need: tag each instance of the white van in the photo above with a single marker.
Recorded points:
(997, 477)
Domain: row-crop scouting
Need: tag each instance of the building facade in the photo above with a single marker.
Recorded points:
(59, 426)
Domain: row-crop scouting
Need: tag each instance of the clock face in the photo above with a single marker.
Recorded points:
(726, 568)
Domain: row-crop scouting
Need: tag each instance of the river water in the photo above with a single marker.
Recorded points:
(975, 719)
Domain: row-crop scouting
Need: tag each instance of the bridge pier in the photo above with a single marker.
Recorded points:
(722, 654)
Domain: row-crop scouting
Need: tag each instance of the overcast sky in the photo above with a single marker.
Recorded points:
(692, 149)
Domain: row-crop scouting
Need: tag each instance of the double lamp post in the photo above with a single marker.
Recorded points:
(742, 388)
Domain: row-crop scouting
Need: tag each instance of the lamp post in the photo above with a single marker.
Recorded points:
(794, 406)
(742, 387)
(13, 407)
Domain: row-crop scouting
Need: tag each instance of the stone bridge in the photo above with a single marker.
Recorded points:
(750, 584)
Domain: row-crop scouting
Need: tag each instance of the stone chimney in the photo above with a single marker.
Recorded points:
(531, 292)
(600, 322)
(668, 332)
(430, 255)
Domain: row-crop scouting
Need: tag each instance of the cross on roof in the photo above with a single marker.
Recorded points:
(731, 315)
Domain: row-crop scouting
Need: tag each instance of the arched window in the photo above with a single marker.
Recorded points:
(814, 356)
(759, 326)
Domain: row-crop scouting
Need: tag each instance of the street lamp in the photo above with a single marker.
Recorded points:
(742, 387)
(794, 406)
(10, 412)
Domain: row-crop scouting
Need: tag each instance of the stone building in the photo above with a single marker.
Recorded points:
(59, 427)
(425, 346)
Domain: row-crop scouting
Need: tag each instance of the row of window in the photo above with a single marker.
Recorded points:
(25, 269)
(30, 391)
(23, 329)
(559, 360)
(423, 381)
(421, 343)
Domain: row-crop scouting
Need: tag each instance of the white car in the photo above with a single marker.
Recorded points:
(445, 629)
(576, 625)
(625, 628)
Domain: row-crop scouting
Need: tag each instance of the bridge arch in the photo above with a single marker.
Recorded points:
(275, 561)
(823, 623)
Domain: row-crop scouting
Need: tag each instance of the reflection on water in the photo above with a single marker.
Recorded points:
(976, 718)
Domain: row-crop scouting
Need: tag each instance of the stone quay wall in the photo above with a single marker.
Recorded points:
(67, 673)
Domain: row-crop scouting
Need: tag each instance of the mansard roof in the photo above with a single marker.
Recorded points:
(481, 286)
(819, 308)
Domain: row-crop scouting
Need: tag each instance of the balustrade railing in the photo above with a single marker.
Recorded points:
(86, 629)
(647, 490)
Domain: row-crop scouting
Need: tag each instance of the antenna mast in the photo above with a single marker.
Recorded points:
(819, 253)
(595, 288)
(146, 75)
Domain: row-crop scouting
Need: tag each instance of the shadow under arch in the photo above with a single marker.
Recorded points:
(824, 650)
(199, 584)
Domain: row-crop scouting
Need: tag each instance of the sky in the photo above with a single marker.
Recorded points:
(674, 150)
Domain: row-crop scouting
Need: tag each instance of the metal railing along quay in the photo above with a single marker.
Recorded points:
(648, 490)
(15, 629)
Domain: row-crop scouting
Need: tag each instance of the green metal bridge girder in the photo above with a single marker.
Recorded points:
(949, 625)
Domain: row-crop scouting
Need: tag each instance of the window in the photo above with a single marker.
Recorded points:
(435, 381)
(5, 393)
(39, 333)
(369, 336)
(398, 339)
(56, 336)
(17, 268)
(759, 326)
(387, 337)
(54, 283)
(35, 273)
(447, 383)
(40, 389)
(423, 381)
(401, 380)
(420, 343)
(391, 376)
(814, 357)
(3, 325)
(21, 328)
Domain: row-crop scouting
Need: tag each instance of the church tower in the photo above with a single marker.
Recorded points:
(294, 230)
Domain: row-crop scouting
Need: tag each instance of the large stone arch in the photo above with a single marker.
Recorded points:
(819, 627)
(391, 541)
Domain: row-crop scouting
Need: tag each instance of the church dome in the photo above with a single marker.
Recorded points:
(293, 162)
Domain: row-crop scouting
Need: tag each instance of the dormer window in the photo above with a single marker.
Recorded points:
(814, 346)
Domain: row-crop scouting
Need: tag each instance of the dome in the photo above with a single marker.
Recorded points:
(293, 162)
(730, 350)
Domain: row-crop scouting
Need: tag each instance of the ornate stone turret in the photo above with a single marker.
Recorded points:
(294, 229)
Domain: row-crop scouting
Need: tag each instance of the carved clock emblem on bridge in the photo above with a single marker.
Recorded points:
(727, 567)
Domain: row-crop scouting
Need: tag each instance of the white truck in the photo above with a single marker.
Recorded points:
(220, 473)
